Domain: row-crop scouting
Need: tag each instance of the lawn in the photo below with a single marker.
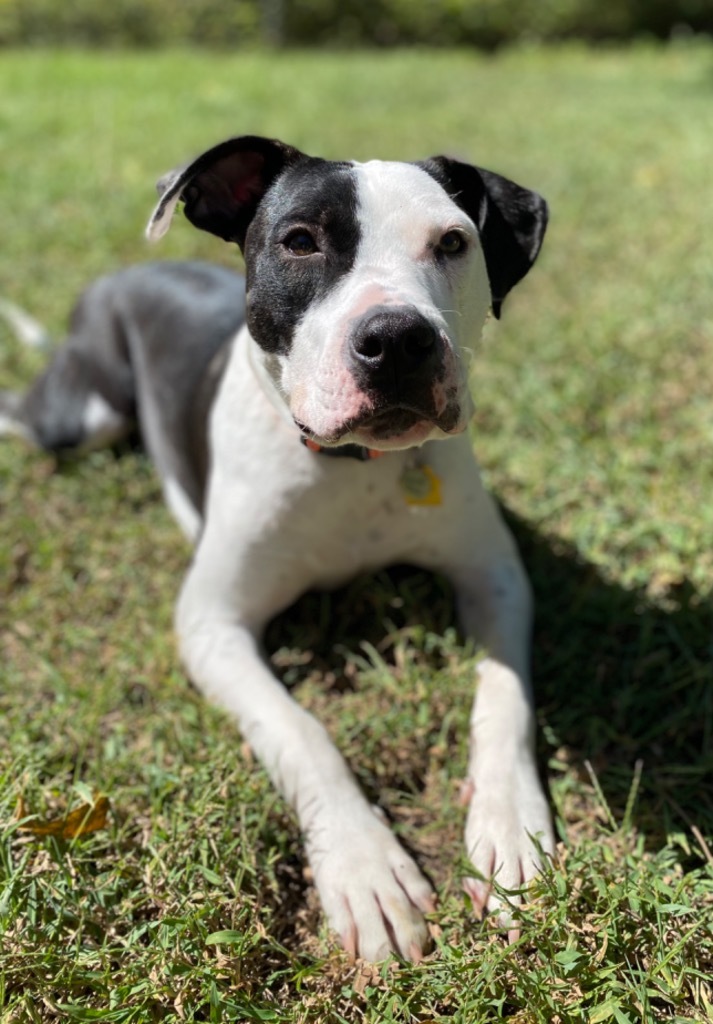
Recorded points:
(594, 426)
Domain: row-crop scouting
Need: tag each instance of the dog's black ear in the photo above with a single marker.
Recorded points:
(511, 220)
(221, 189)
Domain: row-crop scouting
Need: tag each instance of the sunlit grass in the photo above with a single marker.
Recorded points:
(594, 427)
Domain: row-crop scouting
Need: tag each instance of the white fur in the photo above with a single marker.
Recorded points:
(101, 424)
(403, 214)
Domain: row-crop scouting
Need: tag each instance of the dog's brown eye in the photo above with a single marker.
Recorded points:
(301, 243)
(452, 243)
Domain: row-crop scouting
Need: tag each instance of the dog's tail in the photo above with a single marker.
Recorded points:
(25, 328)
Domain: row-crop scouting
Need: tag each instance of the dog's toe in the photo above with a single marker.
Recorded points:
(382, 923)
(372, 892)
(508, 836)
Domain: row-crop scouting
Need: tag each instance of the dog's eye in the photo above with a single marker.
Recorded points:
(300, 243)
(452, 243)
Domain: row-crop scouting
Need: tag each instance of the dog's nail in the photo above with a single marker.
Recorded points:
(415, 953)
(467, 789)
(429, 903)
(478, 892)
(349, 941)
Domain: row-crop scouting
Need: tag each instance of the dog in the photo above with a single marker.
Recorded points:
(309, 424)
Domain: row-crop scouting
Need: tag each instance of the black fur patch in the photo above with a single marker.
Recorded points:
(320, 197)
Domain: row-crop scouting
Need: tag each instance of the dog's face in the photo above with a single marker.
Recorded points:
(367, 283)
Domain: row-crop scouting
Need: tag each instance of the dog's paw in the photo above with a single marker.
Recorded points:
(372, 893)
(507, 810)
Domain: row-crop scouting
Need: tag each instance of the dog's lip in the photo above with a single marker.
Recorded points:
(372, 422)
(389, 423)
(374, 427)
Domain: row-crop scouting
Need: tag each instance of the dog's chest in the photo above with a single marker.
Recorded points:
(363, 517)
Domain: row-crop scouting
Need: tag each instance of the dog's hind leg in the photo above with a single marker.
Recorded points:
(84, 398)
(67, 408)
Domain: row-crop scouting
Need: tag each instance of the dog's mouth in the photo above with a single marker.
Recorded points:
(390, 423)
(397, 426)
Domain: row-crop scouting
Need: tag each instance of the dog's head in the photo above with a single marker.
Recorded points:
(366, 283)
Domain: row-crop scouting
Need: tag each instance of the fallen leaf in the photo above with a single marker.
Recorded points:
(79, 822)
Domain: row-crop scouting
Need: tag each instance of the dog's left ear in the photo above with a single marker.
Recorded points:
(511, 220)
(222, 188)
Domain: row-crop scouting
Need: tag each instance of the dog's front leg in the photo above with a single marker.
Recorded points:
(373, 894)
(506, 805)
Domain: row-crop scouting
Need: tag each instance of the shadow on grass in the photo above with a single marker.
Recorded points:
(618, 679)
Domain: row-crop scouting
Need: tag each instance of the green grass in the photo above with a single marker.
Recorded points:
(595, 430)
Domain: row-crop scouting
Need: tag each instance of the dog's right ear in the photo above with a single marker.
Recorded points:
(221, 189)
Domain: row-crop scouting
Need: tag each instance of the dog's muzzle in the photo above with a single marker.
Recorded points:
(402, 383)
(397, 359)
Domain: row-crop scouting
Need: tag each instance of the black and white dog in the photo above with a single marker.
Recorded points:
(367, 287)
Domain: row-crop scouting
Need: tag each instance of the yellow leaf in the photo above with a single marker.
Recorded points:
(79, 822)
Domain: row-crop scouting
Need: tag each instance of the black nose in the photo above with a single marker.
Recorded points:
(389, 346)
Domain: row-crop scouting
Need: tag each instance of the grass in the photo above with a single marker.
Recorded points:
(594, 427)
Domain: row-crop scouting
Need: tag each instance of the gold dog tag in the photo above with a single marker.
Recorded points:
(421, 486)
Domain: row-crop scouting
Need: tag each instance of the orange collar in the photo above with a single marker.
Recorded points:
(344, 451)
